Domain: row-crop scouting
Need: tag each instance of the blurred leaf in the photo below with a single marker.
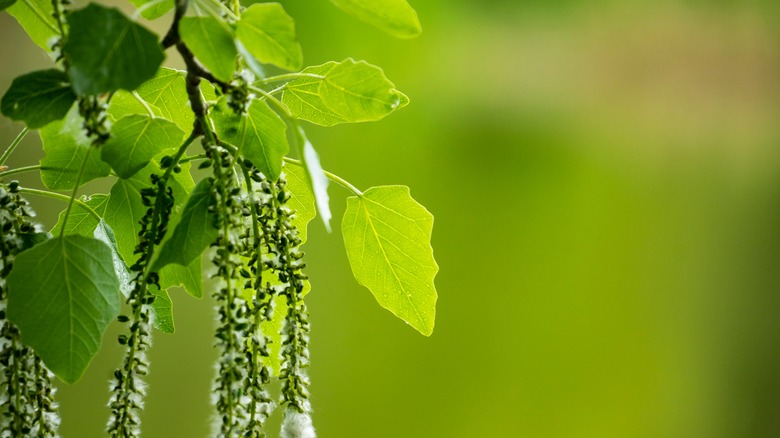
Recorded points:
(65, 145)
(260, 135)
(63, 294)
(194, 233)
(315, 176)
(395, 17)
(166, 94)
(268, 33)
(35, 16)
(38, 98)
(212, 43)
(359, 92)
(4, 4)
(136, 139)
(156, 8)
(107, 52)
(387, 235)
(302, 97)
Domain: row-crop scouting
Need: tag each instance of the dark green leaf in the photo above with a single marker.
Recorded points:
(302, 97)
(38, 98)
(4, 4)
(63, 294)
(387, 235)
(211, 41)
(395, 17)
(268, 33)
(260, 135)
(35, 16)
(194, 233)
(108, 52)
(166, 94)
(360, 92)
(153, 9)
(65, 145)
(136, 139)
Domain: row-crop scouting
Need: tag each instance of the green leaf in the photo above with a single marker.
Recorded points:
(4, 4)
(189, 277)
(65, 145)
(360, 92)
(153, 9)
(302, 97)
(395, 17)
(268, 33)
(194, 233)
(81, 221)
(260, 135)
(211, 41)
(166, 94)
(387, 235)
(301, 200)
(315, 176)
(162, 311)
(35, 16)
(125, 209)
(107, 52)
(105, 234)
(63, 294)
(38, 98)
(136, 139)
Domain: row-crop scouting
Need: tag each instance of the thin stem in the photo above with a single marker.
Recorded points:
(287, 77)
(75, 189)
(184, 160)
(13, 146)
(331, 176)
(273, 100)
(61, 197)
(10, 172)
(144, 103)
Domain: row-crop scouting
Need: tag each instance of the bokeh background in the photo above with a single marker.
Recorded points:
(605, 178)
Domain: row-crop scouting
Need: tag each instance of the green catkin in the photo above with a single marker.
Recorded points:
(256, 214)
(128, 388)
(233, 313)
(26, 385)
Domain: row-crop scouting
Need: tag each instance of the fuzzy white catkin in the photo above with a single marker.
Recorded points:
(297, 425)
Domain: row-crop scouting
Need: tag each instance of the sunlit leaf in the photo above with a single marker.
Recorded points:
(260, 135)
(63, 294)
(166, 94)
(302, 97)
(36, 17)
(136, 139)
(106, 51)
(65, 145)
(38, 98)
(153, 9)
(387, 235)
(268, 33)
(395, 17)
(211, 41)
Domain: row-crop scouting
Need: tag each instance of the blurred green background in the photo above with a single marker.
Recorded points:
(605, 178)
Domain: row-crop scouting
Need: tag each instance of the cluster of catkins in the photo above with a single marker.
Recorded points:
(27, 406)
(258, 262)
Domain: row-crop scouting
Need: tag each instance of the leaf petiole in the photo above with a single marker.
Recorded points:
(61, 197)
(13, 146)
(75, 190)
(288, 77)
(331, 176)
